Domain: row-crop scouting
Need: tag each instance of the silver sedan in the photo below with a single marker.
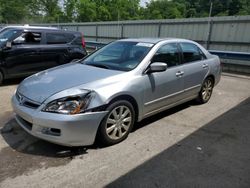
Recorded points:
(105, 94)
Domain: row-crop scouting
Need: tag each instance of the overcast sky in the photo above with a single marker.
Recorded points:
(143, 2)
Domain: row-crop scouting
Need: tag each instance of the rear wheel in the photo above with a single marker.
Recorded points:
(117, 124)
(206, 91)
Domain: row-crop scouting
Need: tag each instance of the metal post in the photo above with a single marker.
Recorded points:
(122, 31)
(118, 24)
(209, 34)
(159, 30)
(96, 32)
(58, 21)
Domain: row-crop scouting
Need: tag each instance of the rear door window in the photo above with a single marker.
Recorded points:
(59, 38)
(191, 52)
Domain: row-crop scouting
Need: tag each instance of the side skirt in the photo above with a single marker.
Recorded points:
(167, 107)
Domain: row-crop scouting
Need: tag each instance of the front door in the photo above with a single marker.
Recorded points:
(164, 88)
(23, 57)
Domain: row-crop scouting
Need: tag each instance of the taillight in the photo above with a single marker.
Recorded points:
(83, 42)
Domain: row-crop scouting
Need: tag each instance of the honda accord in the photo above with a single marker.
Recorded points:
(103, 95)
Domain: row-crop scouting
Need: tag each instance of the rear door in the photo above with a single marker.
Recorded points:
(55, 51)
(164, 88)
(195, 66)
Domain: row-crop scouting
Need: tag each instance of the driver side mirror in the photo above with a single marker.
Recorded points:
(156, 67)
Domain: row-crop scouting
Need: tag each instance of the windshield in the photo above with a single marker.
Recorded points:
(7, 35)
(120, 55)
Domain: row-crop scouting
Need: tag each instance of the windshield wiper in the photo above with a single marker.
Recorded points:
(99, 65)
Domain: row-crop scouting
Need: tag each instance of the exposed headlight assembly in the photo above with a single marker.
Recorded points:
(69, 105)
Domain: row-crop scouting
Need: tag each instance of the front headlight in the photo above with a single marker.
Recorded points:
(69, 105)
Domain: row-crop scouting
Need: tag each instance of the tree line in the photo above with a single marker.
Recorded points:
(53, 11)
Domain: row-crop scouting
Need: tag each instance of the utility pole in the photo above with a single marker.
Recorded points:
(209, 25)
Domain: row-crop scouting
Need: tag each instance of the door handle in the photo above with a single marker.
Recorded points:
(204, 65)
(179, 73)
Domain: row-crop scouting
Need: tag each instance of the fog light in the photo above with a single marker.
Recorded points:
(51, 131)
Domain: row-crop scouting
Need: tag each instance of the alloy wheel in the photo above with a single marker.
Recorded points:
(118, 122)
(207, 90)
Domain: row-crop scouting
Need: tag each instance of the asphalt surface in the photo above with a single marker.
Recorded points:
(188, 146)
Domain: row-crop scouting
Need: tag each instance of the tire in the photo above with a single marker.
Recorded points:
(206, 91)
(1, 78)
(117, 124)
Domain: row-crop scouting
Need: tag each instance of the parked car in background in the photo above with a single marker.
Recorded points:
(103, 95)
(25, 50)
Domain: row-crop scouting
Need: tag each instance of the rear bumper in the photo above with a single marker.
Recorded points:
(218, 76)
(68, 130)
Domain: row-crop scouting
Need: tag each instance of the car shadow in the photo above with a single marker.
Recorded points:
(216, 155)
(25, 153)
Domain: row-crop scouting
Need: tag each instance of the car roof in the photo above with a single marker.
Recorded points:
(27, 27)
(30, 27)
(155, 40)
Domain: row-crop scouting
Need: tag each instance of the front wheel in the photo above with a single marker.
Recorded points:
(117, 124)
(206, 91)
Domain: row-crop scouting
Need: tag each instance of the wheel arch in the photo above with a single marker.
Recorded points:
(128, 98)
(210, 76)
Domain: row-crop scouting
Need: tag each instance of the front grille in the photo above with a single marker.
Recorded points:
(30, 104)
(26, 102)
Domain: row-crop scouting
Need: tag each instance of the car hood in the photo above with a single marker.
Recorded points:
(42, 85)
